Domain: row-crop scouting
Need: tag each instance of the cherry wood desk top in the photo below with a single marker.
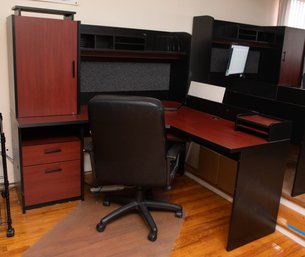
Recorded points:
(212, 129)
(80, 118)
(194, 123)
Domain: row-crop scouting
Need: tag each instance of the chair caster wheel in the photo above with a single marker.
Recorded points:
(100, 227)
(179, 214)
(152, 236)
(10, 232)
(106, 203)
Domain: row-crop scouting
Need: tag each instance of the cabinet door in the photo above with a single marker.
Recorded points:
(292, 57)
(45, 66)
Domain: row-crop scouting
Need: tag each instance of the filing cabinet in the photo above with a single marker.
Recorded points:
(46, 125)
(51, 170)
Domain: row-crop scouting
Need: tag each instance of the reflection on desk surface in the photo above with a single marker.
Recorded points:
(215, 130)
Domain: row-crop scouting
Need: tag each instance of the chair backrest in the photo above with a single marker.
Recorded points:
(128, 137)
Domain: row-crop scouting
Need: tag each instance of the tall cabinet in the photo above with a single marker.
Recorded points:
(44, 85)
(291, 65)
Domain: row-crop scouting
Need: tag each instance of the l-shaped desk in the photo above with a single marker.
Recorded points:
(260, 173)
(261, 166)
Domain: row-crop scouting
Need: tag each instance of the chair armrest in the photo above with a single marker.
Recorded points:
(173, 157)
(173, 152)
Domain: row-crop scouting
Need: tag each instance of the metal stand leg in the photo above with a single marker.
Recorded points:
(5, 194)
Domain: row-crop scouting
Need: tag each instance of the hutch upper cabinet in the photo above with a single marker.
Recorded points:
(45, 54)
(275, 55)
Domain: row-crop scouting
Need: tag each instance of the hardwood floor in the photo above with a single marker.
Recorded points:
(29, 227)
(203, 232)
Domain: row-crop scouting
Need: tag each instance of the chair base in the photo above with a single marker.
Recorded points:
(142, 206)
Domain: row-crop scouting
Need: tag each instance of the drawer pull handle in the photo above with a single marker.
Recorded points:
(48, 151)
(53, 170)
(73, 69)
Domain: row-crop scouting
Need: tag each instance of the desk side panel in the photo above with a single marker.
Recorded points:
(257, 193)
(17, 159)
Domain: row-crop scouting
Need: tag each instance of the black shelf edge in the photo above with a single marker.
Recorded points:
(114, 53)
(251, 43)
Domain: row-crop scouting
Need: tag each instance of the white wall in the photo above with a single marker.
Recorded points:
(170, 15)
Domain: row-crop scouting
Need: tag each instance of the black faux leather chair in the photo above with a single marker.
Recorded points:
(129, 148)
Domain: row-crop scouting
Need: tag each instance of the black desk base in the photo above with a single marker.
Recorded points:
(257, 193)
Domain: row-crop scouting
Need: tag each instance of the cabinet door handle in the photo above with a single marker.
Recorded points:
(48, 151)
(73, 69)
(53, 170)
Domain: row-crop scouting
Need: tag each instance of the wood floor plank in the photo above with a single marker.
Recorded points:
(203, 233)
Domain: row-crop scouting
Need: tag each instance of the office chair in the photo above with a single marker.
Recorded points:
(129, 148)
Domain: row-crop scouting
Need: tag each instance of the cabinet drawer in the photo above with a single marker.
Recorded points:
(51, 182)
(48, 153)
